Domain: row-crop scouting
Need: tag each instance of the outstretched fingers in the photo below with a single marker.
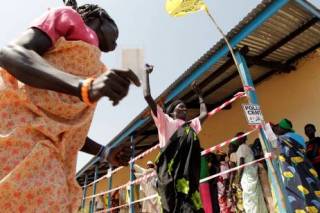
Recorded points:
(129, 75)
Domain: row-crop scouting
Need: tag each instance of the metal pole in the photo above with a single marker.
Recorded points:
(276, 179)
(96, 171)
(309, 7)
(84, 193)
(109, 188)
(132, 174)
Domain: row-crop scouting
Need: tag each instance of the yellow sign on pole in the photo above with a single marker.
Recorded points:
(184, 7)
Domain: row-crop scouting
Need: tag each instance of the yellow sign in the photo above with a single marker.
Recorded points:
(184, 7)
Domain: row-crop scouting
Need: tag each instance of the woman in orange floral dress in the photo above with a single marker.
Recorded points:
(50, 79)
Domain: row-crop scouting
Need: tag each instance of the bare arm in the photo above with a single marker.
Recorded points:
(23, 60)
(203, 108)
(91, 147)
(146, 89)
(115, 155)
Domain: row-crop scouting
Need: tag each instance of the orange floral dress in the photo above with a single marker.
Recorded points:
(41, 132)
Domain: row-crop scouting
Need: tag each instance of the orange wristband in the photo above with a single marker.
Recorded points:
(86, 85)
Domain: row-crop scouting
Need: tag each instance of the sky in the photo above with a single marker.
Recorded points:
(170, 44)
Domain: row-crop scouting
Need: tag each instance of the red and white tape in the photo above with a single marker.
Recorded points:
(137, 181)
(266, 156)
(145, 153)
(121, 167)
(128, 204)
(143, 178)
(248, 88)
(235, 97)
(218, 109)
(219, 146)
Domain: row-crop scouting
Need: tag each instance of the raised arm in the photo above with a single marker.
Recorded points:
(203, 108)
(92, 147)
(115, 155)
(146, 89)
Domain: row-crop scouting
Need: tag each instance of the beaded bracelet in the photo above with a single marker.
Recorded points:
(85, 87)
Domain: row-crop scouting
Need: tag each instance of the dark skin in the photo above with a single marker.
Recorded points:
(150, 166)
(23, 59)
(180, 111)
(310, 131)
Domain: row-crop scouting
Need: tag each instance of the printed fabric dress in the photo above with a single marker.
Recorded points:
(178, 164)
(41, 133)
(179, 174)
(300, 178)
(147, 188)
(253, 199)
(236, 193)
(224, 203)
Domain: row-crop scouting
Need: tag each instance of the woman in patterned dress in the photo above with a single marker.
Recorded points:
(180, 158)
(300, 178)
(50, 78)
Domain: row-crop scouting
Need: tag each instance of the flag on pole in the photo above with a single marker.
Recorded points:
(183, 7)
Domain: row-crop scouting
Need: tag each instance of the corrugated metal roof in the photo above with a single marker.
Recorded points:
(287, 20)
(287, 36)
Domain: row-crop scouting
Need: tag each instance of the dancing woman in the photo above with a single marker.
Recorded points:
(50, 79)
(179, 160)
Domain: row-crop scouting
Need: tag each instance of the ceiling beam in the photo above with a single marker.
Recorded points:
(289, 37)
(269, 64)
(194, 105)
(300, 55)
(258, 59)
(211, 77)
(263, 77)
(147, 133)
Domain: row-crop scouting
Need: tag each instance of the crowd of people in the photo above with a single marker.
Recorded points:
(248, 189)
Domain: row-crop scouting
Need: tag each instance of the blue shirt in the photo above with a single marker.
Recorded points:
(298, 138)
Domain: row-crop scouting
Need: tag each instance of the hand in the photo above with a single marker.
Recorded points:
(148, 68)
(195, 87)
(229, 194)
(117, 155)
(114, 84)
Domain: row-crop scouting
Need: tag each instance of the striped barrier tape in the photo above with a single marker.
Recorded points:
(267, 156)
(137, 181)
(128, 204)
(218, 109)
(219, 146)
(121, 167)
